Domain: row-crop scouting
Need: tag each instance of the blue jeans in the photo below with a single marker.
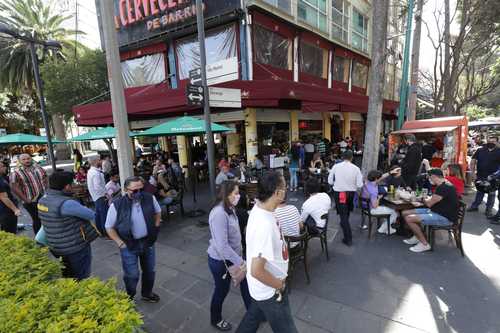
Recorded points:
(278, 314)
(77, 265)
(294, 183)
(479, 200)
(222, 288)
(130, 259)
(429, 217)
(165, 201)
(101, 212)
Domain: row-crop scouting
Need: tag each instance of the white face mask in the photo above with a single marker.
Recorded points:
(235, 200)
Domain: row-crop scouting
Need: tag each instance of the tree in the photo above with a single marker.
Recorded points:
(376, 88)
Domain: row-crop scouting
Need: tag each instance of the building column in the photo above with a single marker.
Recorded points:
(233, 144)
(347, 124)
(294, 126)
(163, 142)
(251, 134)
(327, 126)
(182, 149)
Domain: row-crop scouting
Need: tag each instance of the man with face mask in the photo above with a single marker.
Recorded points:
(97, 188)
(485, 162)
(133, 222)
(68, 226)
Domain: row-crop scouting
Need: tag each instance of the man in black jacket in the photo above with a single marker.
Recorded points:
(412, 161)
(133, 222)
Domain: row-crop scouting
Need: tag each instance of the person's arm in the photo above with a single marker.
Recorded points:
(359, 179)
(218, 221)
(7, 202)
(331, 175)
(260, 273)
(110, 227)
(473, 165)
(16, 189)
(74, 208)
(434, 199)
(157, 212)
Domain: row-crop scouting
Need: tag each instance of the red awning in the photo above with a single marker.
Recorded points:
(159, 100)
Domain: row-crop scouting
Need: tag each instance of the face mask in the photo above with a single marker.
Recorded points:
(490, 145)
(235, 200)
(137, 196)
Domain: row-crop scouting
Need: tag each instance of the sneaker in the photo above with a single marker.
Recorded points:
(363, 227)
(420, 247)
(151, 298)
(392, 231)
(411, 241)
(472, 209)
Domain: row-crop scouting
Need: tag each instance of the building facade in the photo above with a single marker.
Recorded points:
(302, 67)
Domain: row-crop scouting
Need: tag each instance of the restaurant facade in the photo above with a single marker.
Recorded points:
(302, 68)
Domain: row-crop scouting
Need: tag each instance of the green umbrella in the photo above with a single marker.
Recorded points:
(102, 133)
(182, 126)
(25, 139)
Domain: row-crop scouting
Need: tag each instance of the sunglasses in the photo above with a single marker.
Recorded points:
(135, 191)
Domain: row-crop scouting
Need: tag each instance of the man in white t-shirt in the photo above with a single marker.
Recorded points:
(317, 205)
(267, 261)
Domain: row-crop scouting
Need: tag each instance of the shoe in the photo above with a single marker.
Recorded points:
(392, 231)
(363, 227)
(489, 213)
(347, 243)
(151, 298)
(223, 326)
(495, 222)
(420, 247)
(411, 241)
(472, 209)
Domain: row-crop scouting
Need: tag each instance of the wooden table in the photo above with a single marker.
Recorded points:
(399, 205)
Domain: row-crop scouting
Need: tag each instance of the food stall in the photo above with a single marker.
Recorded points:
(450, 131)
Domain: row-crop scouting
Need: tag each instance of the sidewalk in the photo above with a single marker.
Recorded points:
(375, 286)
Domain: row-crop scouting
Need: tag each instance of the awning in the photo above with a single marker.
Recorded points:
(425, 130)
(159, 100)
(26, 139)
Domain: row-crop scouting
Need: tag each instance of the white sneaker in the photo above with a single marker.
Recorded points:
(392, 231)
(411, 241)
(420, 247)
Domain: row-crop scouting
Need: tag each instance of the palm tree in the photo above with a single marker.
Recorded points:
(40, 20)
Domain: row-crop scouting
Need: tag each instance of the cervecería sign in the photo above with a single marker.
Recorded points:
(137, 20)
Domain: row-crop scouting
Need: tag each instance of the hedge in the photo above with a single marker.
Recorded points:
(35, 298)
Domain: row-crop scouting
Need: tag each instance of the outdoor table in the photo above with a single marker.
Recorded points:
(399, 205)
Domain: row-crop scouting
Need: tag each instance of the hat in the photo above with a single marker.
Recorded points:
(393, 169)
(436, 172)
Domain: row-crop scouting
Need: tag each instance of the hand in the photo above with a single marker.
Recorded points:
(17, 212)
(28, 201)
(122, 245)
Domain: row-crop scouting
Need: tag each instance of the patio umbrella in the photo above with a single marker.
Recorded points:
(182, 126)
(25, 139)
(100, 134)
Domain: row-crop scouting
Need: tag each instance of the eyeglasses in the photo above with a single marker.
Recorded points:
(135, 191)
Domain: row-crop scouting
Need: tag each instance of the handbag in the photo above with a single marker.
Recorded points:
(237, 273)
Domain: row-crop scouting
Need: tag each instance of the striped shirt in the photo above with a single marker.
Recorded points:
(31, 181)
(289, 218)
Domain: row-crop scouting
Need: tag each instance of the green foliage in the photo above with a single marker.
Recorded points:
(34, 297)
(68, 83)
(476, 112)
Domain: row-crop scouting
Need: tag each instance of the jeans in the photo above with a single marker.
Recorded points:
(33, 211)
(429, 217)
(278, 314)
(165, 201)
(479, 200)
(222, 289)
(146, 256)
(101, 212)
(77, 265)
(8, 222)
(294, 183)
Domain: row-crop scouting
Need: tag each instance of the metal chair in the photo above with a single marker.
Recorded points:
(297, 253)
(366, 211)
(455, 229)
(322, 235)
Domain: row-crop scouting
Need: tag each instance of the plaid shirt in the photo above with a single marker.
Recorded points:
(32, 181)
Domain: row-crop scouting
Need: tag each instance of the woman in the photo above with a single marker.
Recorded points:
(293, 167)
(8, 209)
(455, 176)
(316, 163)
(225, 245)
(77, 159)
(81, 175)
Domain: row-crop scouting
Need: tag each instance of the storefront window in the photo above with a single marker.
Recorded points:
(313, 12)
(359, 74)
(271, 48)
(359, 38)
(220, 44)
(313, 60)
(341, 69)
(149, 69)
(340, 19)
(284, 5)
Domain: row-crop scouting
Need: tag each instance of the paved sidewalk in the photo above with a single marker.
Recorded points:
(375, 286)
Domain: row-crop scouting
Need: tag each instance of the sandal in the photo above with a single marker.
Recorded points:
(223, 326)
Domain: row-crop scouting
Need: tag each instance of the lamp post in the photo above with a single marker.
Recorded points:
(38, 81)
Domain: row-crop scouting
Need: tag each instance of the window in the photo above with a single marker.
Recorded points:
(313, 60)
(272, 49)
(340, 20)
(149, 69)
(359, 74)
(284, 5)
(220, 44)
(341, 69)
(313, 12)
(359, 38)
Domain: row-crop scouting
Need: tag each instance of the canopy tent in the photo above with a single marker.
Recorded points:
(182, 126)
(99, 134)
(25, 139)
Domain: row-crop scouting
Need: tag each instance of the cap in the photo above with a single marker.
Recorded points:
(436, 172)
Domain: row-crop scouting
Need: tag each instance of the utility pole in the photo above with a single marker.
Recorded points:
(200, 21)
(403, 90)
(415, 55)
(118, 104)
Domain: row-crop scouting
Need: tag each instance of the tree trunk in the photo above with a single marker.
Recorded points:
(412, 111)
(448, 89)
(376, 87)
(62, 150)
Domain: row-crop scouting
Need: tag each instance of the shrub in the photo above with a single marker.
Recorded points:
(34, 297)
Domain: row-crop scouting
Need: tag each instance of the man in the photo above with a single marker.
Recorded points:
(317, 204)
(428, 149)
(113, 188)
(267, 261)
(442, 210)
(106, 165)
(68, 226)
(346, 179)
(8, 204)
(133, 222)
(485, 162)
(410, 165)
(97, 189)
(28, 182)
(224, 174)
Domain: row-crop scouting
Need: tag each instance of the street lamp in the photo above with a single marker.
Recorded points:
(38, 82)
